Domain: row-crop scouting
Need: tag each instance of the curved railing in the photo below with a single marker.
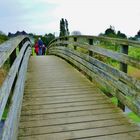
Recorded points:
(17, 51)
(85, 53)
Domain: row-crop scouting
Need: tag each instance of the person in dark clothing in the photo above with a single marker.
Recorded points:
(40, 44)
(43, 49)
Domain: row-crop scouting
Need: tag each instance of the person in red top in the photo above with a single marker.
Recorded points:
(36, 48)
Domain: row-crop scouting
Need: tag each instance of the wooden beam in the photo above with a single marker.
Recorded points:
(124, 68)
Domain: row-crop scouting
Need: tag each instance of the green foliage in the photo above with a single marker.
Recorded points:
(130, 115)
(114, 100)
(134, 52)
(121, 35)
(134, 117)
(46, 38)
(110, 32)
(5, 113)
(3, 38)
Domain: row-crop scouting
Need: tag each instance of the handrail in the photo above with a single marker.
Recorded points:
(17, 50)
(9, 46)
(101, 38)
(121, 85)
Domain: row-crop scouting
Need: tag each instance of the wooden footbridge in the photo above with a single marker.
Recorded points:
(57, 97)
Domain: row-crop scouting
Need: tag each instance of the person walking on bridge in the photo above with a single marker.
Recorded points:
(40, 44)
(36, 47)
(43, 50)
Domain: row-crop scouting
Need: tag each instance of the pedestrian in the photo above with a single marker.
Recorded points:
(40, 44)
(36, 48)
(43, 49)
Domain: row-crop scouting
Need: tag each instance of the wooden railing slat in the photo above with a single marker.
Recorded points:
(131, 104)
(11, 124)
(112, 80)
(7, 48)
(8, 82)
(126, 88)
(112, 54)
(133, 82)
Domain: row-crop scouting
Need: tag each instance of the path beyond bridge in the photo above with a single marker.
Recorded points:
(60, 103)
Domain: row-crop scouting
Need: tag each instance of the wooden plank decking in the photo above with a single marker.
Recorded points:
(61, 104)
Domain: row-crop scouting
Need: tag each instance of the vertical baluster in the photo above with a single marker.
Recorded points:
(90, 43)
(124, 68)
(75, 40)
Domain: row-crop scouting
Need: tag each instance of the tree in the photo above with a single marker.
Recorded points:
(137, 36)
(62, 27)
(138, 33)
(121, 35)
(48, 38)
(64, 31)
(110, 32)
(3, 37)
(67, 30)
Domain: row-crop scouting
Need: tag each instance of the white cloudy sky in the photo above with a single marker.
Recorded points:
(88, 16)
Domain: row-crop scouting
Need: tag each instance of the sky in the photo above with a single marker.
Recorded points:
(90, 17)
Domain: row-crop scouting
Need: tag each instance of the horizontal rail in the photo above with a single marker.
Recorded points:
(102, 51)
(101, 38)
(9, 46)
(121, 85)
(8, 82)
(11, 124)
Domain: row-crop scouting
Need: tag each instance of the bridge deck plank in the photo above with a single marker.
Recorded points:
(60, 103)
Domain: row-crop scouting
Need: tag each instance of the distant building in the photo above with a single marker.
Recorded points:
(76, 33)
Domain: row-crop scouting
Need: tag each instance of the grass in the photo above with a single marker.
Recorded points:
(130, 115)
(134, 117)
(134, 72)
(5, 113)
(3, 38)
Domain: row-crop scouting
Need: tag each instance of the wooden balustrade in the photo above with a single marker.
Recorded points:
(121, 85)
(17, 50)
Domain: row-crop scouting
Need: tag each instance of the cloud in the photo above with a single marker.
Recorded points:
(25, 15)
(87, 16)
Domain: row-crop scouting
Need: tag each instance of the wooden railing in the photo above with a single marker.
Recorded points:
(85, 53)
(16, 51)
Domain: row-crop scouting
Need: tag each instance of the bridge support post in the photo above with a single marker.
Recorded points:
(124, 68)
(75, 40)
(12, 57)
(90, 43)
(20, 45)
(66, 39)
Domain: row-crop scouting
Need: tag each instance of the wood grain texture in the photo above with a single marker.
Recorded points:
(8, 82)
(126, 92)
(12, 120)
(63, 110)
(9, 46)
(120, 57)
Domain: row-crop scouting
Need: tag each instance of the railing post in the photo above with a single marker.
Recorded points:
(20, 45)
(66, 39)
(75, 40)
(12, 57)
(124, 68)
(90, 43)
